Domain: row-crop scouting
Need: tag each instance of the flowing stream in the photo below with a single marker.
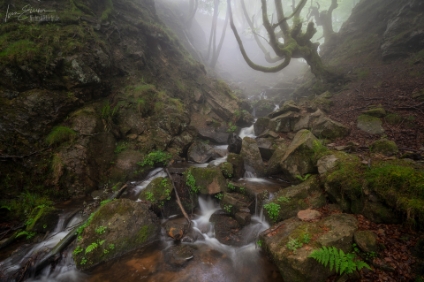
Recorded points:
(208, 259)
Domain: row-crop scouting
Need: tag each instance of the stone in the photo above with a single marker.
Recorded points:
(263, 108)
(176, 228)
(243, 218)
(298, 157)
(261, 125)
(200, 152)
(216, 131)
(370, 125)
(294, 263)
(325, 127)
(233, 203)
(238, 165)
(157, 192)
(379, 112)
(226, 229)
(252, 157)
(120, 232)
(366, 240)
(208, 180)
(273, 166)
(266, 147)
(308, 215)
(234, 143)
(326, 163)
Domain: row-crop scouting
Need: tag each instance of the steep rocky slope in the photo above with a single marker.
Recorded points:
(88, 88)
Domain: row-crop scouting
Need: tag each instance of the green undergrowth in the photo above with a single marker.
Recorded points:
(22, 207)
(157, 192)
(60, 134)
(398, 182)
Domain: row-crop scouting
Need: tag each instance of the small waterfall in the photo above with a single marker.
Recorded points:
(156, 173)
(247, 132)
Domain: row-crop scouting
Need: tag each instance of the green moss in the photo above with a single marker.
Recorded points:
(143, 234)
(384, 146)
(20, 51)
(107, 11)
(227, 169)
(60, 134)
(158, 191)
(21, 207)
(393, 119)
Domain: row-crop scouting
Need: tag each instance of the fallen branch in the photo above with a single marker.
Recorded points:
(178, 199)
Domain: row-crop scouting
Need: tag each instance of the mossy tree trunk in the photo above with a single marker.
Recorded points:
(285, 41)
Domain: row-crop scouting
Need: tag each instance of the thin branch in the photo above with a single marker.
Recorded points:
(178, 199)
(254, 66)
(297, 10)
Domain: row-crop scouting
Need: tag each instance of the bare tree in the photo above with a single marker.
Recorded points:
(324, 19)
(287, 41)
(212, 46)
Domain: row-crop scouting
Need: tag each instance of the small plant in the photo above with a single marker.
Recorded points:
(155, 157)
(306, 238)
(60, 134)
(273, 210)
(219, 196)
(228, 208)
(259, 243)
(91, 247)
(231, 186)
(83, 261)
(111, 246)
(120, 147)
(105, 251)
(150, 197)
(101, 230)
(283, 199)
(294, 244)
(304, 178)
(191, 182)
(28, 234)
(242, 189)
(168, 194)
(337, 259)
(100, 242)
(231, 128)
(78, 250)
(108, 112)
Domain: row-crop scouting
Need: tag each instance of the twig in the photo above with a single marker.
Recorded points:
(178, 199)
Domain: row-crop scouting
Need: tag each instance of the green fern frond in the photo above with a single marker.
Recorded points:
(342, 263)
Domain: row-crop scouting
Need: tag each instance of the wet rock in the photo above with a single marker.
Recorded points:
(293, 199)
(226, 229)
(179, 255)
(238, 165)
(176, 228)
(266, 147)
(294, 262)
(200, 152)
(273, 165)
(287, 106)
(208, 180)
(227, 169)
(183, 141)
(252, 157)
(366, 240)
(323, 102)
(261, 125)
(385, 147)
(158, 192)
(126, 163)
(233, 203)
(245, 119)
(298, 158)
(285, 122)
(234, 143)
(116, 228)
(243, 218)
(80, 72)
(211, 130)
(43, 219)
(370, 125)
(377, 211)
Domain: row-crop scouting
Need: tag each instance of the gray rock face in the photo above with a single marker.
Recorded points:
(273, 166)
(263, 108)
(326, 163)
(298, 158)
(252, 157)
(115, 230)
(208, 180)
(369, 124)
(366, 240)
(234, 143)
(294, 262)
(238, 165)
(200, 152)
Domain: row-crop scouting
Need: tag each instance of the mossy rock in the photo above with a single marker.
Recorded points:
(273, 166)
(376, 112)
(385, 147)
(42, 219)
(291, 242)
(308, 194)
(261, 125)
(114, 230)
(263, 108)
(157, 192)
(252, 157)
(323, 102)
(237, 163)
(369, 124)
(227, 169)
(205, 180)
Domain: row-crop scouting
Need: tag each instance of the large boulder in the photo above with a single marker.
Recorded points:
(238, 165)
(292, 241)
(116, 228)
(369, 124)
(252, 157)
(200, 152)
(210, 129)
(205, 180)
(234, 143)
(290, 200)
(298, 159)
(263, 108)
(157, 192)
(325, 127)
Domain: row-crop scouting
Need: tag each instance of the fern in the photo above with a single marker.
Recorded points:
(342, 263)
(91, 247)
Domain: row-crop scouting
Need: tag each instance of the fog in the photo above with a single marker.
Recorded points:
(196, 19)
